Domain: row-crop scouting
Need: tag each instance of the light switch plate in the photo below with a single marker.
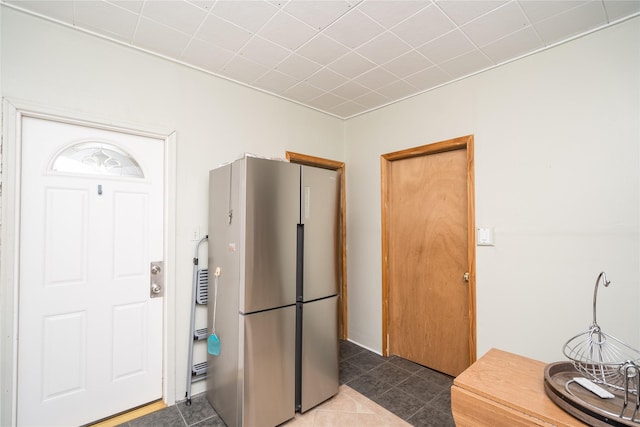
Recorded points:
(484, 236)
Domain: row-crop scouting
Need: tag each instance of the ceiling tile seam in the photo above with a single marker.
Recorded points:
(422, 9)
(200, 7)
(193, 37)
(257, 34)
(349, 49)
(566, 11)
(253, 33)
(531, 24)
(140, 16)
(380, 35)
(606, 12)
(503, 5)
(464, 33)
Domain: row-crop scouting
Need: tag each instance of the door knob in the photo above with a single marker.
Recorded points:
(156, 279)
(465, 276)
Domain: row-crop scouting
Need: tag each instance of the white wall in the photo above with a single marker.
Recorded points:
(215, 120)
(556, 170)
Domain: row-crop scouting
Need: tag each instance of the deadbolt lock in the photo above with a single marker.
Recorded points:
(156, 279)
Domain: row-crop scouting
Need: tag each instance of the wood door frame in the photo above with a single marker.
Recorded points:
(304, 159)
(464, 142)
(12, 113)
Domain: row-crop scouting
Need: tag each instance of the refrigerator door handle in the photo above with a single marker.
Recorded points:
(300, 263)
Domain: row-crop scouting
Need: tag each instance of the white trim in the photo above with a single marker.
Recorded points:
(8, 260)
(12, 114)
(169, 351)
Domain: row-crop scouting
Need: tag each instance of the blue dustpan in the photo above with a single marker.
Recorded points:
(213, 345)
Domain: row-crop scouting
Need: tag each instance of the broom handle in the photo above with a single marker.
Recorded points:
(215, 298)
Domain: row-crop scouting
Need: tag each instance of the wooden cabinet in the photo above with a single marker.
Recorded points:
(505, 389)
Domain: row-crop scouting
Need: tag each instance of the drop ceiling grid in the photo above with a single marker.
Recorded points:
(343, 57)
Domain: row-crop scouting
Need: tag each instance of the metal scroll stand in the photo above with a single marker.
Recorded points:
(197, 372)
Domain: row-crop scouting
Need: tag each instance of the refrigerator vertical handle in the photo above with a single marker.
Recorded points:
(299, 262)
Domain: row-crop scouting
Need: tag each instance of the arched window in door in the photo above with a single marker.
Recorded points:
(96, 158)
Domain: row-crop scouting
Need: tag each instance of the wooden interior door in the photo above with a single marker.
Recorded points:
(429, 258)
(304, 159)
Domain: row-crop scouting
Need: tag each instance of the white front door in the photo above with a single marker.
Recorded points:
(89, 334)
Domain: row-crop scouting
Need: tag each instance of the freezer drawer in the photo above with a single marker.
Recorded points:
(269, 367)
(320, 351)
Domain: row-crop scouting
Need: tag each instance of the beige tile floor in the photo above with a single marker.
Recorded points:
(347, 408)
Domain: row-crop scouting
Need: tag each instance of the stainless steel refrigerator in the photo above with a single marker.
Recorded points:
(273, 231)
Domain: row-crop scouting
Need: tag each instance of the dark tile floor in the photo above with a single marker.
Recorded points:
(419, 395)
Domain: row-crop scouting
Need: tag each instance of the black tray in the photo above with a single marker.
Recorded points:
(583, 404)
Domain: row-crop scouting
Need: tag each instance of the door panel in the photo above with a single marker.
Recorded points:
(320, 208)
(273, 211)
(90, 338)
(269, 367)
(428, 254)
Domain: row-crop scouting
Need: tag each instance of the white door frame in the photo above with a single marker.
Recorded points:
(12, 114)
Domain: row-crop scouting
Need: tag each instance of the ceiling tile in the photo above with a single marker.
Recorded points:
(466, 64)
(351, 65)
(203, 4)
(326, 101)
(303, 92)
(390, 12)
(571, 22)
(452, 44)
(397, 90)
(326, 80)
(347, 109)
(275, 81)
(538, 10)
(372, 100)
(353, 29)
(204, 55)
(181, 16)
(322, 49)
(408, 64)
(222, 33)
(60, 10)
(317, 13)
(159, 38)
(350, 90)
(134, 6)
(107, 19)
(287, 31)
(424, 26)
(617, 9)
(496, 24)
(243, 70)
(264, 52)
(298, 67)
(376, 78)
(383, 48)
(428, 78)
(248, 14)
(513, 46)
(463, 11)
